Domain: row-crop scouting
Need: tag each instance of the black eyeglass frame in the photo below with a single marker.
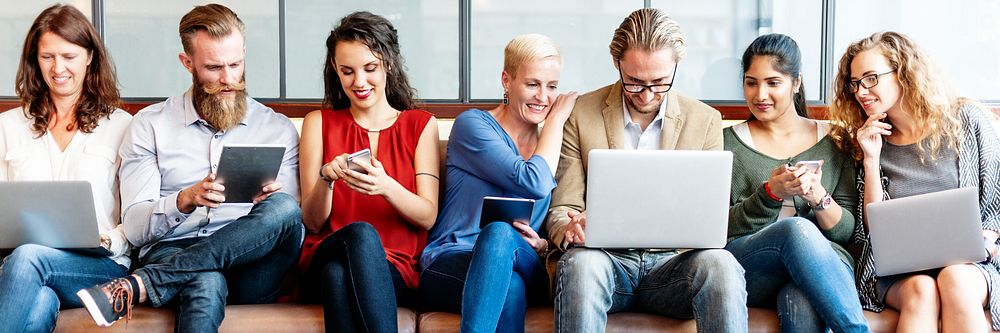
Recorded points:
(642, 87)
(854, 85)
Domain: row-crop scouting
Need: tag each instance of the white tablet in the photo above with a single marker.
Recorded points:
(245, 169)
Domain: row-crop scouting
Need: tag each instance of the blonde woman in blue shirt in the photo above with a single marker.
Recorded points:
(490, 275)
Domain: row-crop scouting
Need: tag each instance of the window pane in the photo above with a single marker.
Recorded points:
(581, 28)
(718, 31)
(428, 38)
(962, 37)
(15, 19)
(142, 38)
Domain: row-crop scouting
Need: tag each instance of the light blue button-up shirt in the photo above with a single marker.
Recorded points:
(169, 147)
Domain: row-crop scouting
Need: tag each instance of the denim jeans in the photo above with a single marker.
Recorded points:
(359, 288)
(36, 280)
(706, 285)
(244, 263)
(471, 283)
(791, 263)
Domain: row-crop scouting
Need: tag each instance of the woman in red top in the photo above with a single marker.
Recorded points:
(360, 278)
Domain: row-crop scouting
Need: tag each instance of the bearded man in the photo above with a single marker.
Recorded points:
(199, 252)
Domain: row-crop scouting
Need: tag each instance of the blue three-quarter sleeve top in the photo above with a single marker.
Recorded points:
(482, 160)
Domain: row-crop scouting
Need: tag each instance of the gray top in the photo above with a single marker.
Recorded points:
(908, 176)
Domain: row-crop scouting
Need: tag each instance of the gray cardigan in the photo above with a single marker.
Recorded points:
(978, 166)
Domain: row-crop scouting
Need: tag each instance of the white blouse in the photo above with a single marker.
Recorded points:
(89, 156)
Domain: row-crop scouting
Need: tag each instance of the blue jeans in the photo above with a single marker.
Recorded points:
(244, 263)
(790, 263)
(359, 288)
(706, 285)
(36, 280)
(471, 282)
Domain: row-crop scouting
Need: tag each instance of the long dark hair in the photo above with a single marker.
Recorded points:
(380, 36)
(787, 59)
(99, 96)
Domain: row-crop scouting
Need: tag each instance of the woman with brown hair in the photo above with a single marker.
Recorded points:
(367, 219)
(68, 127)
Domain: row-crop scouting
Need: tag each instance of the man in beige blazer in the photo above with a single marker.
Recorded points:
(640, 111)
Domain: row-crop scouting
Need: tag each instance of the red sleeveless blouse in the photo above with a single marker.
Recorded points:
(403, 241)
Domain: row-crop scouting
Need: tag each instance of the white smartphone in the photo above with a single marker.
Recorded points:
(361, 155)
(812, 166)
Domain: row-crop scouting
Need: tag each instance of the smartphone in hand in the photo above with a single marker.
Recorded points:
(361, 155)
(811, 166)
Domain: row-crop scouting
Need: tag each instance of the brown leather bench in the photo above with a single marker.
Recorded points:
(292, 317)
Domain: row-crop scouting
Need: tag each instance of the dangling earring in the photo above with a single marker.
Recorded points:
(505, 99)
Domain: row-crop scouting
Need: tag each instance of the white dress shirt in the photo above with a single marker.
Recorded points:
(92, 157)
(636, 138)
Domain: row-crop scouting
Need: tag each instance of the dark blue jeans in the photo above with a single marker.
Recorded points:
(358, 287)
(244, 263)
(472, 283)
(791, 264)
(36, 280)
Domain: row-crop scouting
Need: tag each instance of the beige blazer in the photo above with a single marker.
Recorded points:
(597, 122)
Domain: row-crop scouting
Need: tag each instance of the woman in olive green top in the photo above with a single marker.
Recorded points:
(786, 217)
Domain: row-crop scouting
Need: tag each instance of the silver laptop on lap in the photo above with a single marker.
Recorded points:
(926, 231)
(57, 214)
(658, 199)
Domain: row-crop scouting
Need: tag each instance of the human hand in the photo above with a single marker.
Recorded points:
(529, 235)
(574, 230)
(561, 108)
(267, 190)
(335, 169)
(375, 182)
(205, 193)
(785, 181)
(870, 135)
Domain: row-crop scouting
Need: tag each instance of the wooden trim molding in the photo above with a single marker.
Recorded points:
(451, 110)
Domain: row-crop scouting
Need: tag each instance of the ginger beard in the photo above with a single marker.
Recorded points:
(221, 111)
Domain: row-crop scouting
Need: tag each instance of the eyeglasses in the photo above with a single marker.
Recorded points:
(867, 81)
(654, 88)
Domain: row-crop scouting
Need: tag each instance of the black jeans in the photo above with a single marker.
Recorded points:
(358, 287)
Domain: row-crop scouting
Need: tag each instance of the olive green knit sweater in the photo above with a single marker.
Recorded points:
(750, 208)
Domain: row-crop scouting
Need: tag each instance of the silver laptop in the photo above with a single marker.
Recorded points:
(57, 214)
(658, 199)
(926, 231)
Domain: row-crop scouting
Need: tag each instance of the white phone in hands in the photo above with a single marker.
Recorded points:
(812, 166)
(361, 155)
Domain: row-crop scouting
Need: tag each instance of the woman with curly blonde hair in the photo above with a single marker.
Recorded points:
(911, 135)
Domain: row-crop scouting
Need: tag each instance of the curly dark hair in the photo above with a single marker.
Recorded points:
(99, 96)
(380, 36)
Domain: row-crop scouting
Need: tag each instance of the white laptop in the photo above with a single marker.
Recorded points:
(926, 231)
(658, 199)
(57, 214)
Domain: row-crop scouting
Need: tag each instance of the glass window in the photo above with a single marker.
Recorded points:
(581, 28)
(142, 38)
(428, 37)
(963, 39)
(718, 31)
(15, 19)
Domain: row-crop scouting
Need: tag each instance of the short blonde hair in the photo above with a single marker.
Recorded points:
(530, 47)
(648, 29)
(215, 19)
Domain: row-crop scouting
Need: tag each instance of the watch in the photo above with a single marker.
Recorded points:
(826, 201)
